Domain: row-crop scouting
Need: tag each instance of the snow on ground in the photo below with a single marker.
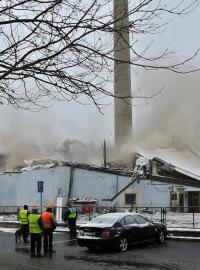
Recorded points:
(177, 220)
(13, 230)
(172, 220)
(7, 230)
(11, 218)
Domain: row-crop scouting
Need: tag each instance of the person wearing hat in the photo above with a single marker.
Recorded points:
(36, 232)
(49, 225)
(23, 216)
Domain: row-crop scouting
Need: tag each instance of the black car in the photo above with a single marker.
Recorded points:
(119, 230)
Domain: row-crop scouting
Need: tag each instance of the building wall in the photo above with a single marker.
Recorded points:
(153, 194)
(97, 184)
(17, 189)
(21, 188)
(148, 194)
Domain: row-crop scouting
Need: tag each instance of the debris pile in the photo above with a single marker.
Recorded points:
(142, 166)
(82, 200)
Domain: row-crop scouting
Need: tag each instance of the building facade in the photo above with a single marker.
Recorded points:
(17, 189)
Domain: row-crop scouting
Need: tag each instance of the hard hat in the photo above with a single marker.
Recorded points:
(34, 208)
(49, 205)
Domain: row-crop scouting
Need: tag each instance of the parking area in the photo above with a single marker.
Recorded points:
(171, 255)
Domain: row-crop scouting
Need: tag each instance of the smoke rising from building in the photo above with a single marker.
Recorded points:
(172, 118)
(169, 120)
(17, 151)
(67, 133)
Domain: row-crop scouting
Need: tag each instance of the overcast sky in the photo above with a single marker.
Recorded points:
(84, 122)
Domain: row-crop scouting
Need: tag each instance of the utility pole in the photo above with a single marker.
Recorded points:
(104, 154)
(122, 75)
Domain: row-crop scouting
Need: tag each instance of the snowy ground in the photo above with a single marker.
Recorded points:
(172, 220)
(177, 220)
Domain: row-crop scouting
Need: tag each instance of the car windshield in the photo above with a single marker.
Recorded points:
(104, 220)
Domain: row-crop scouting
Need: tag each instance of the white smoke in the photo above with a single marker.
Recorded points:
(172, 118)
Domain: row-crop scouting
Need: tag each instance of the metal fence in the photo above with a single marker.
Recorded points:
(175, 217)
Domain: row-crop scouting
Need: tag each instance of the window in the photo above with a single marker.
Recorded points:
(141, 220)
(104, 220)
(129, 220)
(130, 198)
(174, 196)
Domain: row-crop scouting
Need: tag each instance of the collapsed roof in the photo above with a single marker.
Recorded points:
(173, 166)
(165, 165)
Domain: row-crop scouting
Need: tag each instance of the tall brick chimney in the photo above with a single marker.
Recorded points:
(122, 75)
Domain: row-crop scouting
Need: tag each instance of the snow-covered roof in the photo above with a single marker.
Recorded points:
(37, 164)
(184, 161)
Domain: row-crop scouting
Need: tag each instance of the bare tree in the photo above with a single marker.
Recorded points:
(63, 49)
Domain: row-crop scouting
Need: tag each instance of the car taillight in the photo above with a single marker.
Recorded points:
(105, 234)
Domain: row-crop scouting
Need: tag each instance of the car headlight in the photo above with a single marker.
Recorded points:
(81, 232)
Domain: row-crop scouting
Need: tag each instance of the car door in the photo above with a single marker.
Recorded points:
(131, 229)
(147, 228)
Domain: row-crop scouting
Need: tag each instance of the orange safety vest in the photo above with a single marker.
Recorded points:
(46, 219)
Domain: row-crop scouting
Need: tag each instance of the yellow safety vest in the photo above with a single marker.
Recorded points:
(23, 217)
(33, 223)
(72, 212)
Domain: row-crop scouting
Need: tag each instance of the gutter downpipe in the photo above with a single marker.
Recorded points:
(71, 180)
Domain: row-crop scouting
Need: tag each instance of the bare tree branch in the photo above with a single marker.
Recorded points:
(63, 49)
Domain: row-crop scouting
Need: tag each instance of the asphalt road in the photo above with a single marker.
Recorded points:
(171, 255)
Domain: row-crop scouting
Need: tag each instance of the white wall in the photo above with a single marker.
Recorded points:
(17, 189)
(153, 194)
(148, 194)
(21, 188)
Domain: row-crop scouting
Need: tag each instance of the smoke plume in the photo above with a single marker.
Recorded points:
(172, 118)
(27, 138)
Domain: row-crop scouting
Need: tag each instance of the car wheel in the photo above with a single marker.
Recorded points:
(123, 244)
(92, 247)
(161, 237)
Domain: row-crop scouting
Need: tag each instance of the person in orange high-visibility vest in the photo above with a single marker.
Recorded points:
(49, 225)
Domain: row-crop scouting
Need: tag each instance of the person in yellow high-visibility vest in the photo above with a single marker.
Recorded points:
(36, 232)
(23, 216)
(71, 216)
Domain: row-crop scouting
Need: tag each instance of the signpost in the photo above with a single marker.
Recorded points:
(40, 186)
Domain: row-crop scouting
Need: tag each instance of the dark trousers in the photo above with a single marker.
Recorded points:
(48, 239)
(72, 227)
(25, 231)
(36, 242)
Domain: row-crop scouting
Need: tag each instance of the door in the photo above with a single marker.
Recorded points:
(132, 229)
(193, 201)
(147, 228)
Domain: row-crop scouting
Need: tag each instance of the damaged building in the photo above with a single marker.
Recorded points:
(158, 179)
(181, 170)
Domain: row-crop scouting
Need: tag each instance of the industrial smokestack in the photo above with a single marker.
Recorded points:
(122, 74)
